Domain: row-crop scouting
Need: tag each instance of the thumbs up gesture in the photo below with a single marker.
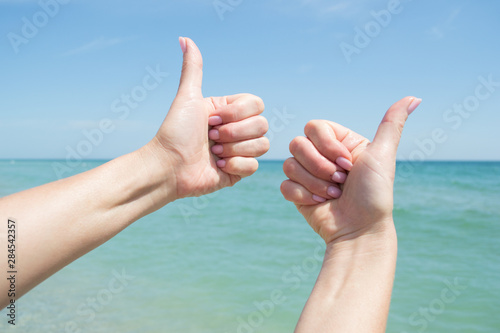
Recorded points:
(341, 182)
(205, 144)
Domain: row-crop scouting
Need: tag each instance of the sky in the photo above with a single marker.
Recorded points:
(65, 65)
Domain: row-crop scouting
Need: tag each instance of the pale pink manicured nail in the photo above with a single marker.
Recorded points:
(221, 163)
(214, 120)
(339, 177)
(318, 198)
(334, 192)
(217, 149)
(213, 134)
(414, 104)
(182, 42)
(344, 163)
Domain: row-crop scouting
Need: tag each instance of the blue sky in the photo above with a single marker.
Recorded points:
(346, 61)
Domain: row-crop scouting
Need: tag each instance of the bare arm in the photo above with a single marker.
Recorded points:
(61, 221)
(353, 290)
(353, 214)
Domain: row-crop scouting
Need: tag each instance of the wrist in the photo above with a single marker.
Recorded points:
(380, 241)
(159, 173)
(356, 277)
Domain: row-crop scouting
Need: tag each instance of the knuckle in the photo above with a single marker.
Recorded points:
(243, 167)
(311, 126)
(294, 145)
(228, 149)
(319, 170)
(231, 164)
(400, 124)
(238, 110)
(254, 166)
(259, 103)
(395, 118)
(289, 166)
(263, 125)
(319, 188)
(297, 144)
(227, 132)
(248, 167)
(286, 189)
(265, 144)
(283, 190)
(315, 169)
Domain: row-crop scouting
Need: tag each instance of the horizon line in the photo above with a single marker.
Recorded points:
(260, 160)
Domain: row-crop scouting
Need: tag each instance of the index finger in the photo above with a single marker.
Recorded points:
(237, 107)
(326, 140)
(324, 133)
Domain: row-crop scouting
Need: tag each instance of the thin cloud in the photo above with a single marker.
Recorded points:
(348, 10)
(305, 68)
(436, 32)
(344, 8)
(17, 2)
(440, 31)
(339, 7)
(121, 125)
(97, 44)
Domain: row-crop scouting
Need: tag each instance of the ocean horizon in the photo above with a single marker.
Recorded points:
(258, 158)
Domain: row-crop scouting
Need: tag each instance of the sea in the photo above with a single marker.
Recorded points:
(243, 260)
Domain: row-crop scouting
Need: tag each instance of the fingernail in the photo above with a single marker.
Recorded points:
(414, 104)
(221, 163)
(339, 177)
(318, 198)
(344, 163)
(213, 134)
(214, 120)
(334, 192)
(182, 42)
(217, 149)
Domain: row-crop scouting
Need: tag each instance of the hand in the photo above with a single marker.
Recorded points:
(192, 165)
(363, 204)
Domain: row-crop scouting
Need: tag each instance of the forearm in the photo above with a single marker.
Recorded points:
(61, 221)
(353, 290)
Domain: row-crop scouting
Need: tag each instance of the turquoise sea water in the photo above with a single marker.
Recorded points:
(228, 262)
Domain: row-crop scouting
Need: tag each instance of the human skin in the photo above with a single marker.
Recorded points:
(203, 145)
(353, 290)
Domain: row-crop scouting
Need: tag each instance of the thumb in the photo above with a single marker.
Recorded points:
(192, 68)
(389, 132)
